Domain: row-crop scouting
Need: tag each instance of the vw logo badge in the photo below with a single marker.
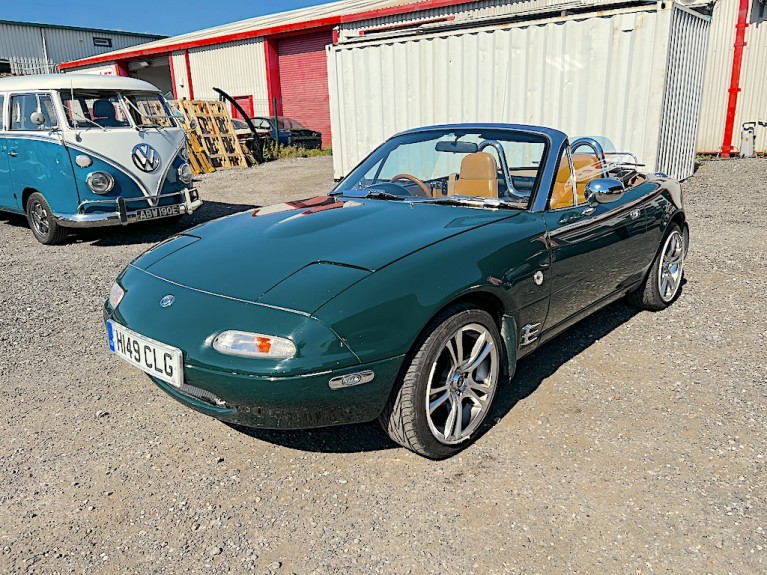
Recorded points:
(146, 158)
(167, 301)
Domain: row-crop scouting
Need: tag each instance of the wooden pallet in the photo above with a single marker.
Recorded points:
(215, 132)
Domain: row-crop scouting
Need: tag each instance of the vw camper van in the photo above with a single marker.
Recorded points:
(83, 150)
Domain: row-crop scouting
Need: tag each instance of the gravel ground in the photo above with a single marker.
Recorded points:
(634, 443)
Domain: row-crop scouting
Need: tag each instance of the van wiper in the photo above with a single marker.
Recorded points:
(84, 119)
(473, 202)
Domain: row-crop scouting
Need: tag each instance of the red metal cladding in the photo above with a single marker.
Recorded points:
(246, 103)
(304, 81)
(266, 31)
(737, 62)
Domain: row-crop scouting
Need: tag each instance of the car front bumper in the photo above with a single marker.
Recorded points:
(190, 201)
(298, 402)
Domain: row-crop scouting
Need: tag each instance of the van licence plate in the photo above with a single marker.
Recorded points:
(157, 359)
(158, 212)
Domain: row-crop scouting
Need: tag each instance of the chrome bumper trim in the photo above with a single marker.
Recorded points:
(121, 216)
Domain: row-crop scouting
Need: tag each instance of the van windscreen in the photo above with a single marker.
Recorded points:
(94, 108)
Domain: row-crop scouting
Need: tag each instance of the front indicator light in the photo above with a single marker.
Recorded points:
(116, 294)
(255, 345)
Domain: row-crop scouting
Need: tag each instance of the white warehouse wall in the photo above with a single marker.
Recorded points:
(238, 68)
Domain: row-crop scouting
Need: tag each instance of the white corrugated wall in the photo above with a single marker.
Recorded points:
(597, 75)
(61, 44)
(238, 68)
(752, 99)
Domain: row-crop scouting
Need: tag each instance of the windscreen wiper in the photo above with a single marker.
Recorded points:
(84, 119)
(476, 202)
(368, 193)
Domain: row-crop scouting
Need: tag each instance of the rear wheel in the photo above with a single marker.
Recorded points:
(664, 281)
(449, 384)
(40, 218)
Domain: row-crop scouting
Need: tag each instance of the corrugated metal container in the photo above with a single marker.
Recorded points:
(752, 99)
(601, 74)
(59, 44)
(238, 68)
(473, 11)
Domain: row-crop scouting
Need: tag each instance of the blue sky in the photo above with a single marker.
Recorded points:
(169, 18)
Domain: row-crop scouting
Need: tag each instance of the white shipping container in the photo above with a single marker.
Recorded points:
(598, 74)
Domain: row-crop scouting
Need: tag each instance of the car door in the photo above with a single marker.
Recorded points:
(595, 248)
(6, 195)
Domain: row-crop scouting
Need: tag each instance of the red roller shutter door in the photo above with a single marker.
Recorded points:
(304, 81)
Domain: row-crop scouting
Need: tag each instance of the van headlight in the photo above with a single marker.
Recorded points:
(100, 182)
(185, 173)
(255, 345)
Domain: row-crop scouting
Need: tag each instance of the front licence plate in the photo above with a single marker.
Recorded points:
(157, 359)
(159, 212)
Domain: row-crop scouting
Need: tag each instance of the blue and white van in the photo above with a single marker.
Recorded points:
(83, 150)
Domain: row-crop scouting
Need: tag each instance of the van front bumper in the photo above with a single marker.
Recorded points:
(121, 216)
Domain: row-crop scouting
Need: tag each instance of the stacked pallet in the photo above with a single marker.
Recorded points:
(212, 141)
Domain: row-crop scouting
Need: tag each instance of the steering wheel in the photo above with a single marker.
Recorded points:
(424, 188)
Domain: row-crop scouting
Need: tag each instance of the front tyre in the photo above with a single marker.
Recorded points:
(40, 218)
(664, 281)
(449, 384)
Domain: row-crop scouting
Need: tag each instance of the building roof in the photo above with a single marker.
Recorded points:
(322, 16)
(81, 29)
(67, 81)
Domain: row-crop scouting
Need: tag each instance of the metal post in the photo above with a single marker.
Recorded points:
(737, 61)
(276, 126)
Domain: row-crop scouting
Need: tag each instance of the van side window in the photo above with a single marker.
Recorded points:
(2, 102)
(24, 105)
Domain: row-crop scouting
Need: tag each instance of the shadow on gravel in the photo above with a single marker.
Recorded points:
(531, 371)
(157, 230)
(339, 439)
(543, 362)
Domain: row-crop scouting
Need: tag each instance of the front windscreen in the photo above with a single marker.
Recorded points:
(496, 163)
(94, 109)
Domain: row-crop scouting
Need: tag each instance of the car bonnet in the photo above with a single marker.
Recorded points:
(246, 255)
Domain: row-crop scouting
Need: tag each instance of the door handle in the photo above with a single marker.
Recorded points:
(13, 153)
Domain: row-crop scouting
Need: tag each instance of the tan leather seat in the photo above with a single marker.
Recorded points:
(478, 177)
(587, 168)
(562, 194)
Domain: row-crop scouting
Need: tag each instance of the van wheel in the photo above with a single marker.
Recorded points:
(44, 227)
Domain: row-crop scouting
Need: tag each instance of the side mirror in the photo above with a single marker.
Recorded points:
(604, 190)
(37, 118)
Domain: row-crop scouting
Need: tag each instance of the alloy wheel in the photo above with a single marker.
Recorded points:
(671, 266)
(462, 382)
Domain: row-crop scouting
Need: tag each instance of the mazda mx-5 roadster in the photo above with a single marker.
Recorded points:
(408, 292)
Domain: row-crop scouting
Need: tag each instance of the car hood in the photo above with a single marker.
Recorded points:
(322, 246)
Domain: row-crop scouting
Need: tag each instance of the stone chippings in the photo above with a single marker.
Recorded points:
(635, 443)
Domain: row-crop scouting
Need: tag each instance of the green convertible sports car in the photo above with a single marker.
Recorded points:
(407, 293)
